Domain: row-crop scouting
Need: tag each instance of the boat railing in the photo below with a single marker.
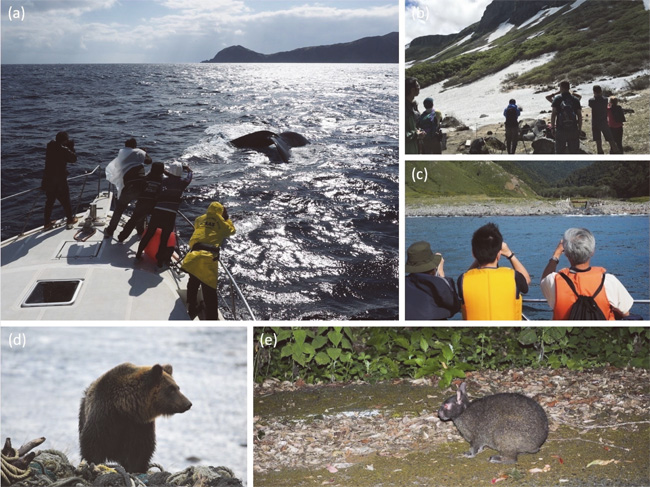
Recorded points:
(547, 309)
(77, 203)
(233, 290)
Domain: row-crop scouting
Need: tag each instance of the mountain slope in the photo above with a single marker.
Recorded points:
(376, 49)
(446, 178)
(589, 39)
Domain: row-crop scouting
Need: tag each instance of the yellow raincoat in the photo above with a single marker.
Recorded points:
(210, 229)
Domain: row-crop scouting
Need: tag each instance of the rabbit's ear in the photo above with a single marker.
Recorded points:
(460, 392)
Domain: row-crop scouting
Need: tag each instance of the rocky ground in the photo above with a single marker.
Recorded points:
(389, 434)
(636, 132)
(464, 206)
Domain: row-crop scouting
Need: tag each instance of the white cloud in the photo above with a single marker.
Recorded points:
(428, 17)
(181, 30)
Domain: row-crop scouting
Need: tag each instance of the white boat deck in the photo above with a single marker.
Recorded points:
(114, 286)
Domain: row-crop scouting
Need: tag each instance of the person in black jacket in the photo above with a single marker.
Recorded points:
(429, 294)
(145, 203)
(55, 177)
(176, 179)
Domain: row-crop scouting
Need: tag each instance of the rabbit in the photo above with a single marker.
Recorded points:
(508, 423)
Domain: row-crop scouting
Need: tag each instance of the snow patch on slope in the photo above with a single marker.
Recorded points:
(502, 30)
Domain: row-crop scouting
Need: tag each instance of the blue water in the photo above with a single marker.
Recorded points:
(317, 238)
(622, 247)
(42, 386)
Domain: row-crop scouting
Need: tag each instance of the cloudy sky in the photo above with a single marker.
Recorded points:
(427, 17)
(161, 31)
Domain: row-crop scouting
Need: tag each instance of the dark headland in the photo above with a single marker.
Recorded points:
(376, 49)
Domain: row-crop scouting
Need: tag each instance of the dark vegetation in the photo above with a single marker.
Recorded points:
(334, 354)
(599, 39)
(566, 179)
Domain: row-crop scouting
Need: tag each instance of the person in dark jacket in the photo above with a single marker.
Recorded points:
(176, 179)
(146, 201)
(429, 294)
(55, 178)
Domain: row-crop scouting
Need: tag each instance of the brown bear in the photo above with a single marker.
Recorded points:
(118, 412)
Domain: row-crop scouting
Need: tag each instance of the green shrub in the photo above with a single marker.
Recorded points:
(339, 354)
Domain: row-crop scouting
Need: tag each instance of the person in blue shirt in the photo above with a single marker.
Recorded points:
(512, 112)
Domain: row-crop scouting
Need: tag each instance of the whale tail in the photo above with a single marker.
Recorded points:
(264, 138)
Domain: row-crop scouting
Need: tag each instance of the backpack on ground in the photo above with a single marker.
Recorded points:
(567, 117)
(585, 308)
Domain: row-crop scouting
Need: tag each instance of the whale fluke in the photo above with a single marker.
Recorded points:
(264, 138)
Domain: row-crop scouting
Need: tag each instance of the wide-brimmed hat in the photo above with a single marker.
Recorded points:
(420, 258)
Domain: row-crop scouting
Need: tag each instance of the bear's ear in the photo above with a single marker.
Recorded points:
(156, 372)
(168, 368)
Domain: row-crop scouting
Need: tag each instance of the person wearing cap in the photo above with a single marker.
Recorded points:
(429, 294)
(145, 203)
(487, 291)
(201, 262)
(127, 173)
(175, 180)
(429, 122)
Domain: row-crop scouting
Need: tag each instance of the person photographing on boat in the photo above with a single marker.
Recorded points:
(58, 154)
(579, 246)
(487, 291)
(127, 173)
(146, 202)
(201, 262)
(176, 178)
(429, 294)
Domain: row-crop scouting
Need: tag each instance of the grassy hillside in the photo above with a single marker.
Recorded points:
(527, 179)
(541, 174)
(600, 38)
(446, 178)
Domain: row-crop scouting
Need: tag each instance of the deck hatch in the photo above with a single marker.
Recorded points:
(53, 292)
(72, 249)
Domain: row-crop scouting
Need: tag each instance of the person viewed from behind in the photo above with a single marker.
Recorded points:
(126, 172)
(512, 112)
(413, 133)
(55, 178)
(487, 291)
(599, 125)
(429, 123)
(566, 120)
(615, 119)
(176, 179)
(146, 202)
(429, 294)
(579, 246)
(201, 261)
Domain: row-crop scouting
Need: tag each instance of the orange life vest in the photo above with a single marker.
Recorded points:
(586, 284)
(490, 294)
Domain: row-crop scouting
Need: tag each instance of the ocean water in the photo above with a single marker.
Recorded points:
(622, 247)
(43, 383)
(317, 238)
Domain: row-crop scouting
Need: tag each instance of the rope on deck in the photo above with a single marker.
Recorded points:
(51, 468)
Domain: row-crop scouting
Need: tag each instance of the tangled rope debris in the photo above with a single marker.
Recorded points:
(52, 468)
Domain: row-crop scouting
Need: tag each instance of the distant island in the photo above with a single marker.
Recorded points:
(376, 49)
